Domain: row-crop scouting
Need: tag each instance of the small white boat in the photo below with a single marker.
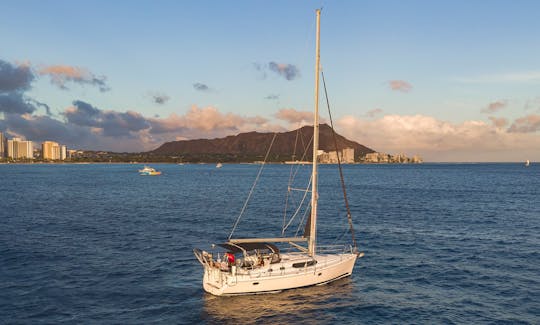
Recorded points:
(149, 171)
(219, 165)
(527, 163)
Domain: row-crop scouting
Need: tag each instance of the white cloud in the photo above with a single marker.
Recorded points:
(437, 140)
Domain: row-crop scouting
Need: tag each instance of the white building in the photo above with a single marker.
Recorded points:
(19, 149)
(346, 156)
(2, 145)
(63, 152)
(53, 151)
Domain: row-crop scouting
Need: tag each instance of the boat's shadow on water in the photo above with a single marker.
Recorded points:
(294, 305)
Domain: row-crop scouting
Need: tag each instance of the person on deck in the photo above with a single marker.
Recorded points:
(229, 257)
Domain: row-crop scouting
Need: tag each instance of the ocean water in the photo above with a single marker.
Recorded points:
(97, 243)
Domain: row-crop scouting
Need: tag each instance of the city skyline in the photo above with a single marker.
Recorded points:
(449, 81)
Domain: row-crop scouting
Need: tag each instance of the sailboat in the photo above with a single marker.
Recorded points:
(527, 163)
(256, 265)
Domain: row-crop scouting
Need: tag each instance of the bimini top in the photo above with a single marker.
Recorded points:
(247, 246)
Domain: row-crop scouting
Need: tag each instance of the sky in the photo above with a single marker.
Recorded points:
(451, 81)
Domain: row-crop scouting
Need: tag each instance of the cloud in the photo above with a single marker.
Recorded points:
(43, 128)
(261, 68)
(499, 122)
(374, 112)
(294, 117)
(16, 103)
(495, 106)
(62, 74)
(201, 87)
(287, 71)
(15, 78)
(208, 120)
(160, 98)
(437, 140)
(533, 104)
(272, 97)
(527, 124)
(400, 85)
(108, 123)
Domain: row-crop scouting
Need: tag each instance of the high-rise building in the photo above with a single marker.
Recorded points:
(63, 152)
(53, 151)
(50, 150)
(2, 146)
(18, 149)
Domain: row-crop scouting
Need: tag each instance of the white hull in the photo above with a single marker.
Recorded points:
(278, 276)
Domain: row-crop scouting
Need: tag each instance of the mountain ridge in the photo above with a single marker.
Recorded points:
(256, 144)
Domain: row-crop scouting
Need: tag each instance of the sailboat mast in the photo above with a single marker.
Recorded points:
(314, 177)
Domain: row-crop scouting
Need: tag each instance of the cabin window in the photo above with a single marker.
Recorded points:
(304, 264)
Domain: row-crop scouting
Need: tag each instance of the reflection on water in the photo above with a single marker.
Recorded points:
(294, 305)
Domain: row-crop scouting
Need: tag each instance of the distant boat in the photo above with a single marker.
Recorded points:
(219, 165)
(149, 171)
(527, 163)
(297, 162)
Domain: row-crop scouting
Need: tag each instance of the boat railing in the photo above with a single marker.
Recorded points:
(333, 249)
(203, 256)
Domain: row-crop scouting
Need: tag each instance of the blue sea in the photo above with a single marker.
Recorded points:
(99, 244)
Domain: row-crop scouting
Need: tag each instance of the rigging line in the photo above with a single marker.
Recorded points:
(306, 191)
(349, 216)
(283, 227)
(340, 237)
(252, 187)
(297, 169)
(304, 155)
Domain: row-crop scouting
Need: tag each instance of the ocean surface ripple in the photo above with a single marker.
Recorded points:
(97, 243)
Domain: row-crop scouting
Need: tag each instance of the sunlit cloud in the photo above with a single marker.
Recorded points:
(499, 122)
(205, 123)
(400, 85)
(495, 106)
(293, 116)
(62, 74)
(526, 124)
(207, 120)
(437, 140)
